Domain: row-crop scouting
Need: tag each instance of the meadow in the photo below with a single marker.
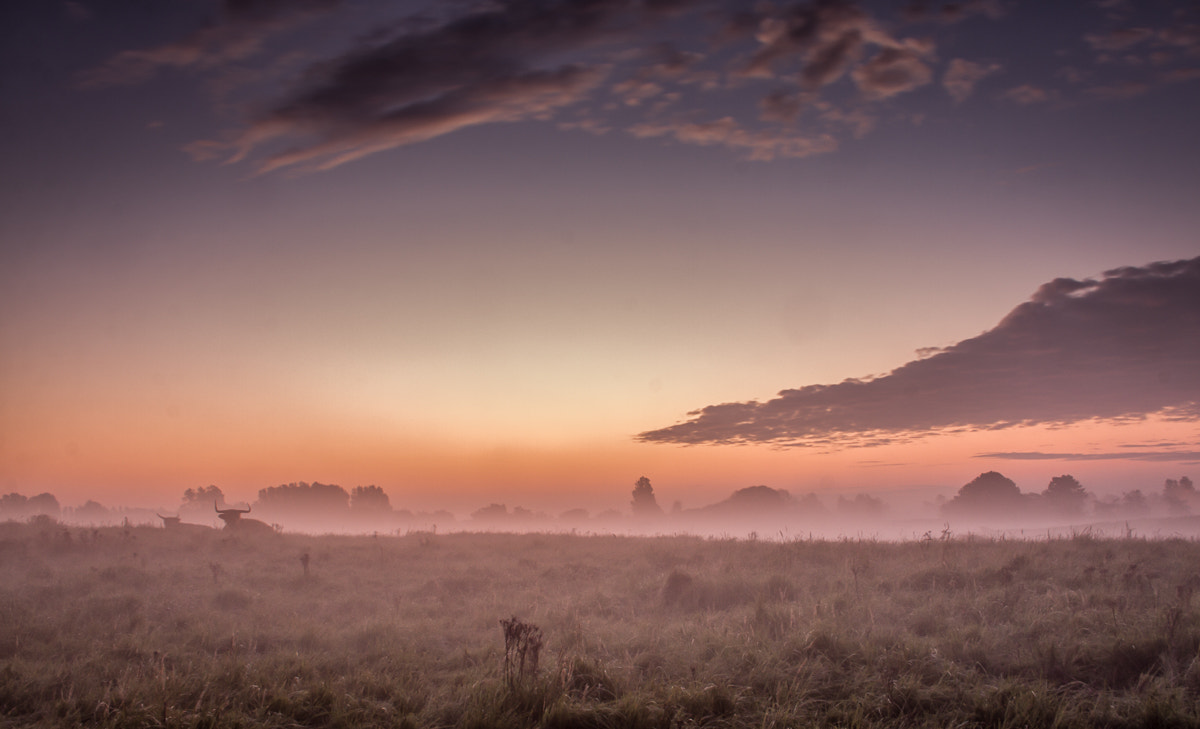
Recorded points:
(145, 627)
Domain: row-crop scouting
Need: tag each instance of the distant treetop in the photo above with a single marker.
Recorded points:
(644, 503)
(990, 494)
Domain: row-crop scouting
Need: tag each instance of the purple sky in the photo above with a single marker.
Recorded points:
(466, 248)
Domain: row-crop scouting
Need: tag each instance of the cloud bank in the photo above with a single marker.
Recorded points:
(764, 80)
(1121, 347)
(238, 32)
(515, 60)
(1153, 456)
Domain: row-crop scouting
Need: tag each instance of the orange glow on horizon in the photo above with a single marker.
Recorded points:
(138, 463)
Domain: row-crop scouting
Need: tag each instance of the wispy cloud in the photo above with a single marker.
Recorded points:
(1027, 94)
(238, 32)
(1118, 40)
(760, 145)
(764, 80)
(77, 12)
(1154, 456)
(952, 12)
(1147, 56)
(893, 71)
(514, 60)
(491, 66)
(1125, 90)
(962, 76)
(1120, 347)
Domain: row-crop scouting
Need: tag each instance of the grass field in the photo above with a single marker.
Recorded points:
(144, 627)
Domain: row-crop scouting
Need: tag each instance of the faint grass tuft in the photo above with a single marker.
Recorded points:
(232, 599)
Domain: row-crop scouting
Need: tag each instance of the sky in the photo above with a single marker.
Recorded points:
(529, 251)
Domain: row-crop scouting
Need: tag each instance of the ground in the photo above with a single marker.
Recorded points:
(145, 627)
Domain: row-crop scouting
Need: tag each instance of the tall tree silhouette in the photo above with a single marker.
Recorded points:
(1065, 496)
(644, 503)
(1180, 495)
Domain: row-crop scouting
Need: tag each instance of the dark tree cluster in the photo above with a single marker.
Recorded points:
(1180, 494)
(369, 499)
(1065, 496)
(303, 500)
(18, 507)
(988, 495)
(499, 514)
(992, 496)
(861, 505)
(197, 504)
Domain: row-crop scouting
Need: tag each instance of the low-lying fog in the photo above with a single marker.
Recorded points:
(991, 504)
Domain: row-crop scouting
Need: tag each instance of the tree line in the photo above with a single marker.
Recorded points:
(990, 496)
(995, 496)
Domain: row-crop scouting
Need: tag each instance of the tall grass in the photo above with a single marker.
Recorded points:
(136, 627)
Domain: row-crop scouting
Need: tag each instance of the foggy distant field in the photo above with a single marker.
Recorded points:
(146, 627)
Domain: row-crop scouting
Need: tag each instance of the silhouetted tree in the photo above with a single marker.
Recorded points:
(861, 505)
(1065, 496)
(92, 512)
(303, 499)
(810, 503)
(13, 505)
(204, 495)
(574, 516)
(520, 513)
(1134, 502)
(491, 512)
(753, 501)
(644, 503)
(46, 504)
(609, 516)
(988, 495)
(1179, 495)
(19, 506)
(197, 503)
(369, 499)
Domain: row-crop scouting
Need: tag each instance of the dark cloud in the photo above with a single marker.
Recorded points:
(1027, 94)
(1147, 56)
(237, 33)
(662, 63)
(654, 68)
(518, 96)
(825, 36)
(828, 64)
(1121, 347)
(1118, 92)
(1186, 36)
(962, 75)
(77, 12)
(513, 60)
(829, 38)
(1181, 75)
(1118, 40)
(780, 106)
(757, 145)
(951, 12)
(493, 65)
(892, 71)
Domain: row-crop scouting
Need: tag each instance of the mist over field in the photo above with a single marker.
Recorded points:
(990, 504)
(599, 364)
(136, 626)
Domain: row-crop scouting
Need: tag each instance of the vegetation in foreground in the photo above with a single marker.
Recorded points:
(147, 627)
